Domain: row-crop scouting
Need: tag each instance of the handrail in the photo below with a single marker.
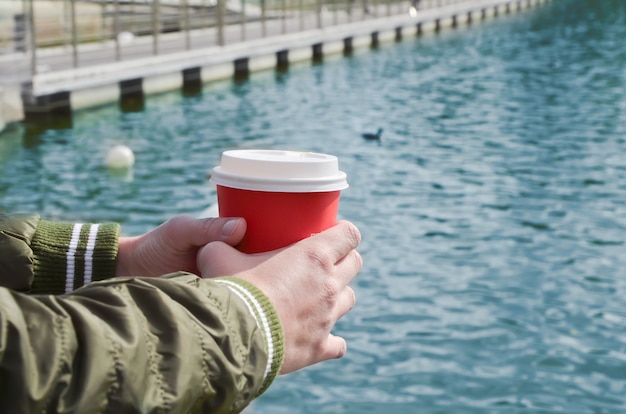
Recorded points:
(103, 20)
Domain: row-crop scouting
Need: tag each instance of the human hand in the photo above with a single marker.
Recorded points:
(173, 246)
(307, 284)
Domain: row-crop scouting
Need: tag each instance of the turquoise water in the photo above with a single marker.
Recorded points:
(493, 212)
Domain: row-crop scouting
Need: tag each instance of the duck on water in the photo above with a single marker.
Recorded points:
(373, 136)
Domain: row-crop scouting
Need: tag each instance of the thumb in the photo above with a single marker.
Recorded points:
(226, 229)
(188, 231)
(219, 259)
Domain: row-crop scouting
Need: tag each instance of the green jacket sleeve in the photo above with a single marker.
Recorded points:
(174, 344)
(39, 256)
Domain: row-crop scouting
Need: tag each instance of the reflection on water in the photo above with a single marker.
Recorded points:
(493, 211)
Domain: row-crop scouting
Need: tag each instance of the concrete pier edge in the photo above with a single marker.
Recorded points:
(62, 92)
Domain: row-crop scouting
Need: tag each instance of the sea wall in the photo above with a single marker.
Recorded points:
(64, 91)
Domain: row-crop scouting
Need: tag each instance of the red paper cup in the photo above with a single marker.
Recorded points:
(285, 196)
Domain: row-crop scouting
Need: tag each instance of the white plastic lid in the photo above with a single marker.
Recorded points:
(279, 171)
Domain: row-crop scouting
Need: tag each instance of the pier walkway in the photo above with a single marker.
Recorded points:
(62, 79)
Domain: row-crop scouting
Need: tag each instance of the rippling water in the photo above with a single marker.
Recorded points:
(493, 212)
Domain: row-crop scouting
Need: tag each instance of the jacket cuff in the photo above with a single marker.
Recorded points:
(68, 256)
(268, 322)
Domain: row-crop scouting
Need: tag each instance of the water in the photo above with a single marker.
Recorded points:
(493, 212)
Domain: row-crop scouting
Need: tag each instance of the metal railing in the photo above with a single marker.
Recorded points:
(37, 25)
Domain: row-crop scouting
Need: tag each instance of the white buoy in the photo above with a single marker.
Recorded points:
(120, 156)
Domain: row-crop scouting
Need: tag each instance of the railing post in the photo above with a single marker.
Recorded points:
(66, 18)
(318, 7)
(220, 22)
(284, 17)
(116, 28)
(102, 21)
(205, 7)
(183, 21)
(156, 18)
(74, 33)
(263, 28)
(349, 9)
(243, 19)
(32, 36)
(133, 18)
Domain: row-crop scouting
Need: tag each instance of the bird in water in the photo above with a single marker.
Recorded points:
(373, 137)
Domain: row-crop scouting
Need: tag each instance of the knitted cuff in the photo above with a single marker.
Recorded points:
(267, 321)
(68, 256)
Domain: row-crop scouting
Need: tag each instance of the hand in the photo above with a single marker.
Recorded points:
(173, 246)
(307, 283)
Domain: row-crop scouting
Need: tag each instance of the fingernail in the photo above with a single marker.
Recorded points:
(229, 227)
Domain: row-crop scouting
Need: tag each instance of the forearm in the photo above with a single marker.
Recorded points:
(178, 343)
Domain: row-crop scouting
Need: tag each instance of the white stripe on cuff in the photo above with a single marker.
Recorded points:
(250, 300)
(71, 258)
